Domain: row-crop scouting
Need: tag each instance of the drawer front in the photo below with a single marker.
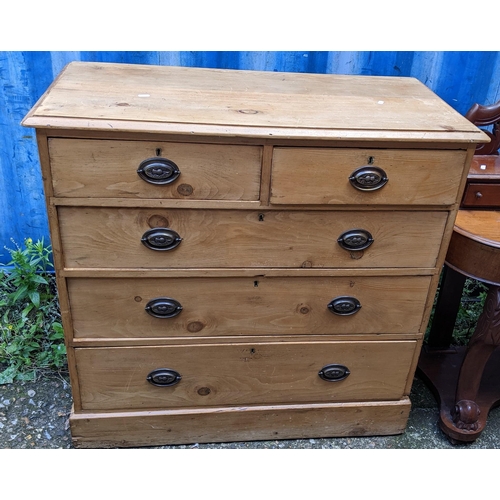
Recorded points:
(261, 373)
(321, 176)
(108, 169)
(120, 308)
(109, 237)
(481, 195)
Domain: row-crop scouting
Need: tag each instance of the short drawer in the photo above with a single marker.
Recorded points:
(109, 169)
(481, 195)
(187, 307)
(110, 237)
(241, 374)
(407, 177)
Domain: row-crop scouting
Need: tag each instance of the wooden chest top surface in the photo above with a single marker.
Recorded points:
(133, 98)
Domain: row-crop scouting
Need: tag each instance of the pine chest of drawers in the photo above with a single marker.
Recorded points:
(245, 255)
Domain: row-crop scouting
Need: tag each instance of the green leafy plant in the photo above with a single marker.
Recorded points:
(31, 334)
(471, 305)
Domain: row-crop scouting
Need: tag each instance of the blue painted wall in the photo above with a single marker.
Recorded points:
(460, 78)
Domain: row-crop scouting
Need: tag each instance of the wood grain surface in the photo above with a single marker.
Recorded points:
(115, 308)
(105, 237)
(321, 176)
(475, 245)
(241, 374)
(480, 225)
(244, 423)
(108, 169)
(252, 103)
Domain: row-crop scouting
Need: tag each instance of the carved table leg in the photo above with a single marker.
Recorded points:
(484, 341)
(466, 381)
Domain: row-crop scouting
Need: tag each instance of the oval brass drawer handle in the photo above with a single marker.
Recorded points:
(334, 373)
(158, 171)
(368, 178)
(355, 239)
(163, 307)
(344, 306)
(164, 377)
(161, 238)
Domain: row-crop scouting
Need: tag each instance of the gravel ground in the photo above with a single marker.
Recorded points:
(35, 415)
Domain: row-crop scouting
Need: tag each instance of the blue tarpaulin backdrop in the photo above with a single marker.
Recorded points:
(460, 78)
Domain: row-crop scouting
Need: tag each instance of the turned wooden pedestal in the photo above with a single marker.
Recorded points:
(466, 381)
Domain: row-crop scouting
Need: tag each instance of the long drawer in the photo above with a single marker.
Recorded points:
(157, 238)
(244, 374)
(109, 169)
(176, 307)
(399, 176)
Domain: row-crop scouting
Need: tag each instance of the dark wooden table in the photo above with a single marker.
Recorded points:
(466, 380)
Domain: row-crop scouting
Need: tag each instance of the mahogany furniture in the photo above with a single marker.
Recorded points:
(466, 380)
(245, 255)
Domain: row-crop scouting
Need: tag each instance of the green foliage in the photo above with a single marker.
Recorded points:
(471, 306)
(31, 334)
